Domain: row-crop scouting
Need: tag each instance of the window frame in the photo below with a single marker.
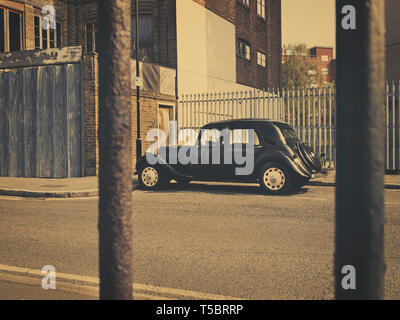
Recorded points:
(261, 4)
(324, 58)
(6, 29)
(93, 32)
(246, 44)
(245, 3)
(47, 32)
(325, 71)
(262, 55)
(146, 50)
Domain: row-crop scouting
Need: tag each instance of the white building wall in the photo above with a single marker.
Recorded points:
(206, 48)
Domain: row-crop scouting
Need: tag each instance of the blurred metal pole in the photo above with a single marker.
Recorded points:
(360, 150)
(138, 140)
(115, 171)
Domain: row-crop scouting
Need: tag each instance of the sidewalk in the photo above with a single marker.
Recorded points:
(52, 188)
(88, 186)
(392, 181)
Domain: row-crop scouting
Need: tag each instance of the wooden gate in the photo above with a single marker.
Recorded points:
(41, 121)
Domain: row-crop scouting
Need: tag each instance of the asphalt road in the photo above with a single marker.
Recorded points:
(219, 239)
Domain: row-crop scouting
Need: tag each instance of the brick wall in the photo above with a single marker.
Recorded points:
(274, 43)
(34, 7)
(223, 8)
(149, 103)
(263, 35)
(79, 14)
(392, 40)
(90, 117)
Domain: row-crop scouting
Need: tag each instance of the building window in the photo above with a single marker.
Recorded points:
(243, 49)
(46, 38)
(146, 35)
(245, 2)
(2, 31)
(261, 8)
(10, 30)
(90, 37)
(324, 71)
(37, 33)
(261, 59)
(58, 35)
(324, 58)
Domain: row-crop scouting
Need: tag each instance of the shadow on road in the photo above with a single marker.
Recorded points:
(220, 188)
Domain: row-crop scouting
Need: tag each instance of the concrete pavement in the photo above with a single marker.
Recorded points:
(52, 188)
(88, 186)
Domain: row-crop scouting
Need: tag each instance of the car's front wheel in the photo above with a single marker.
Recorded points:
(151, 178)
(275, 178)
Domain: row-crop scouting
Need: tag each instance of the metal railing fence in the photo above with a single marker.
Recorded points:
(311, 113)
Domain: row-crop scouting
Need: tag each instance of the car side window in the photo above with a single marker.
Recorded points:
(209, 136)
(242, 136)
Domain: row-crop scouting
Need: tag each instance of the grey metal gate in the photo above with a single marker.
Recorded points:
(41, 121)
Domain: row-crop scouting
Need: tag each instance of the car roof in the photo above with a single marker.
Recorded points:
(244, 122)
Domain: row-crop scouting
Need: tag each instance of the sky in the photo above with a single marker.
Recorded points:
(309, 21)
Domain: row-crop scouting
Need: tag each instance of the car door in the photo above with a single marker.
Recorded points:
(207, 145)
(245, 145)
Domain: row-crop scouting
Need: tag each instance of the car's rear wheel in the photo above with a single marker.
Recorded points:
(275, 178)
(151, 178)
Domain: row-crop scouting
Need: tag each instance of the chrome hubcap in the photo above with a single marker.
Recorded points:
(149, 177)
(274, 179)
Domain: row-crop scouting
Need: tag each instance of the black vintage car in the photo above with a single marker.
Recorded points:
(243, 150)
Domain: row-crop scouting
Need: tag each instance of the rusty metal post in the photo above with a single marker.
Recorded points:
(359, 237)
(115, 172)
(138, 139)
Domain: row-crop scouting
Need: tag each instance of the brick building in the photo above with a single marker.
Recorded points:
(186, 46)
(26, 44)
(213, 44)
(228, 45)
(392, 40)
(322, 57)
